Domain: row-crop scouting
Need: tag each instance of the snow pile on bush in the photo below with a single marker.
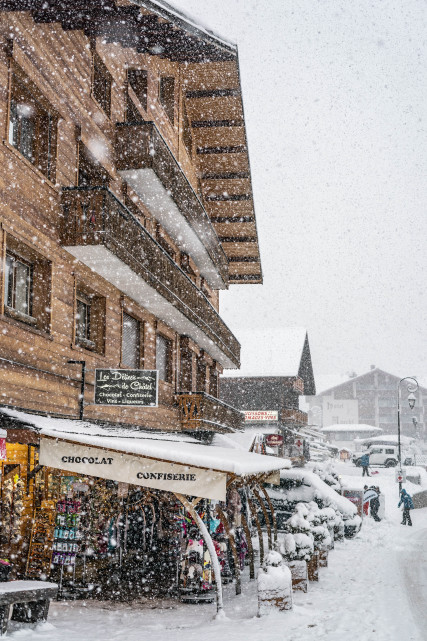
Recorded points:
(312, 488)
(274, 582)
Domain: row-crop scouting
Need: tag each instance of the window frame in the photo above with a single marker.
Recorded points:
(44, 138)
(10, 288)
(169, 358)
(138, 74)
(104, 82)
(139, 327)
(83, 341)
(167, 99)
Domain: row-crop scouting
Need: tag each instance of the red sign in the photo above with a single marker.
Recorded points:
(273, 440)
(3, 455)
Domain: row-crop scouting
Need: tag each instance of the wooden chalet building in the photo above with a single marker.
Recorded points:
(126, 206)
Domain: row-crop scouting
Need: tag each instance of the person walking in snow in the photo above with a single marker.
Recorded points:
(364, 462)
(408, 505)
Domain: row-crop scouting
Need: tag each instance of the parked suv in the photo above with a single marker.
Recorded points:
(379, 455)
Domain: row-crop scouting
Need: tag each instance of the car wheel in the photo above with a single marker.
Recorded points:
(390, 463)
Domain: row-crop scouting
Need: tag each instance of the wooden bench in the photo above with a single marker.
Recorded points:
(30, 601)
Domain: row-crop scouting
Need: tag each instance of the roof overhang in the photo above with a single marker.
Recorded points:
(168, 462)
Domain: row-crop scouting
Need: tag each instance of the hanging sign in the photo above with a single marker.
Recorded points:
(3, 455)
(257, 416)
(136, 470)
(400, 476)
(126, 387)
(273, 440)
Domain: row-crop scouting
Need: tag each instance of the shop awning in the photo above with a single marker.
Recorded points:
(169, 462)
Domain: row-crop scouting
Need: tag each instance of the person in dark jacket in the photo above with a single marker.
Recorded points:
(364, 462)
(408, 505)
(375, 503)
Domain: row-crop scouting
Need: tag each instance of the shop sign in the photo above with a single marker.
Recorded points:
(400, 476)
(126, 387)
(3, 455)
(258, 416)
(136, 470)
(356, 497)
(273, 440)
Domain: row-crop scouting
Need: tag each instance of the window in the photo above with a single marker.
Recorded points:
(83, 322)
(131, 341)
(186, 130)
(102, 82)
(138, 81)
(167, 96)
(32, 126)
(90, 321)
(18, 286)
(214, 383)
(91, 173)
(164, 358)
(389, 451)
(27, 285)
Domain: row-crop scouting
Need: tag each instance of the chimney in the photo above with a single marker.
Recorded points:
(372, 366)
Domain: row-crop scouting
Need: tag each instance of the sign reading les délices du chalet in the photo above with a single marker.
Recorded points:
(126, 387)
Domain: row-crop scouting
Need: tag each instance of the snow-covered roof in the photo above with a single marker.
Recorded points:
(388, 439)
(350, 427)
(164, 446)
(270, 351)
(184, 19)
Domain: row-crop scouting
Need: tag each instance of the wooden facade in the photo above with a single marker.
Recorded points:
(125, 194)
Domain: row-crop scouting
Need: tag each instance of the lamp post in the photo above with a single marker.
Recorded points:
(412, 387)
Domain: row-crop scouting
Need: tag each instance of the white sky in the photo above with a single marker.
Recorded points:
(335, 99)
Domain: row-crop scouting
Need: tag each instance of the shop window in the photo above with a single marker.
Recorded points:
(164, 358)
(32, 125)
(131, 332)
(167, 96)
(90, 321)
(101, 84)
(27, 285)
(138, 81)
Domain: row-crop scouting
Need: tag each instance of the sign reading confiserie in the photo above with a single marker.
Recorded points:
(136, 470)
(126, 387)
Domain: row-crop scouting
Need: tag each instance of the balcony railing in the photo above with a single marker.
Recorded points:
(139, 145)
(293, 417)
(202, 412)
(94, 216)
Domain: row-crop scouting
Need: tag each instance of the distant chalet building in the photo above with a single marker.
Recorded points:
(347, 433)
(275, 372)
(370, 399)
(126, 206)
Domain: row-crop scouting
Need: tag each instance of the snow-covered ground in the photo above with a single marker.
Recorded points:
(375, 589)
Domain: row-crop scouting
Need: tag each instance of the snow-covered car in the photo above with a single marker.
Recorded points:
(381, 455)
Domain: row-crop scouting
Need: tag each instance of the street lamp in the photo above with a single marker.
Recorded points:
(412, 387)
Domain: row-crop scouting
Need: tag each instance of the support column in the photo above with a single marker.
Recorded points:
(267, 518)
(250, 547)
(273, 514)
(259, 530)
(230, 536)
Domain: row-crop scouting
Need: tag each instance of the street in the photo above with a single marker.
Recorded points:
(375, 589)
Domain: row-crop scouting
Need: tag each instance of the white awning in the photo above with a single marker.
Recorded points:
(170, 462)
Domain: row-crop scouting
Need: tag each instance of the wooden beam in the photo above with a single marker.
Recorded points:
(231, 538)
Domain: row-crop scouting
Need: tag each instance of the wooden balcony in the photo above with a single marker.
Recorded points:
(141, 149)
(99, 230)
(293, 417)
(202, 412)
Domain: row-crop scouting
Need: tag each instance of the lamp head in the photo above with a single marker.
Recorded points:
(411, 400)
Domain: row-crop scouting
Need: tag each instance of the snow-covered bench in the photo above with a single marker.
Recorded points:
(30, 601)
